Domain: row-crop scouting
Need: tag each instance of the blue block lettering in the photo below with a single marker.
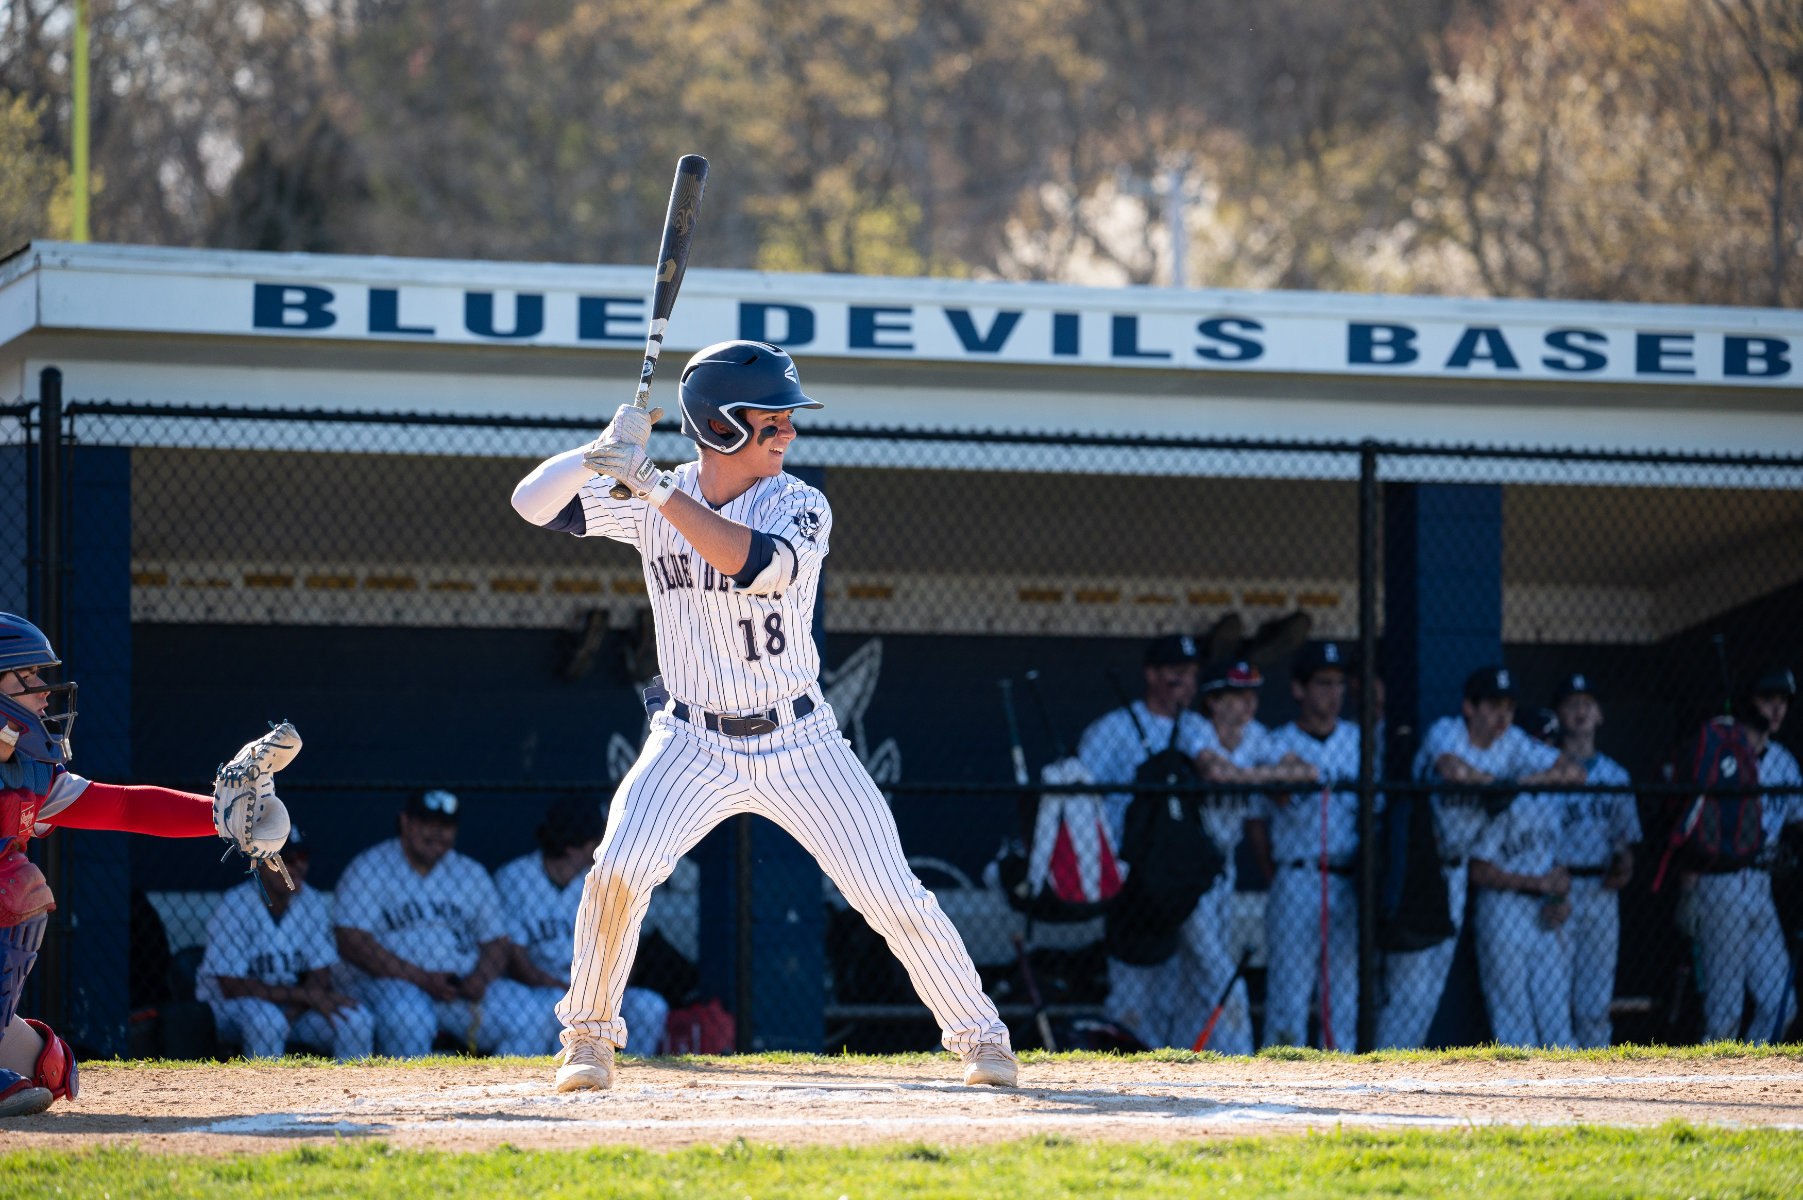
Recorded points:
(1663, 354)
(1482, 343)
(754, 323)
(1380, 345)
(1064, 334)
(528, 315)
(1755, 357)
(1227, 330)
(1578, 359)
(988, 343)
(867, 325)
(385, 314)
(1125, 340)
(605, 319)
(291, 306)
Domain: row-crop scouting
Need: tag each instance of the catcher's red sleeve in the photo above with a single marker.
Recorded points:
(156, 810)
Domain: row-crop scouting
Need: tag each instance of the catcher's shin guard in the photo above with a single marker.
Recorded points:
(56, 1069)
(18, 951)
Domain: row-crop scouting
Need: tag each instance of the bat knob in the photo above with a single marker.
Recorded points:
(620, 491)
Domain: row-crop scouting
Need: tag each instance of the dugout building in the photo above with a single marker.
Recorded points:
(276, 486)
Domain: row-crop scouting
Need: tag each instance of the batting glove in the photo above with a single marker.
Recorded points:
(626, 462)
(633, 424)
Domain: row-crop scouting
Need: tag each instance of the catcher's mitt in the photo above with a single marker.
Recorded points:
(246, 811)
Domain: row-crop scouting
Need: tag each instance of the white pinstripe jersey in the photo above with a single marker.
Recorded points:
(725, 651)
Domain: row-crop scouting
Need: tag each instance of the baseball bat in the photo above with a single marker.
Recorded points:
(672, 261)
(1208, 1027)
(1020, 755)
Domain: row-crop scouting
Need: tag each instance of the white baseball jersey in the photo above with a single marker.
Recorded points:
(1526, 837)
(245, 941)
(1113, 751)
(436, 922)
(1510, 756)
(1597, 827)
(1778, 768)
(1296, 827)
(540, 915)
(725, 651)
(1224, 816)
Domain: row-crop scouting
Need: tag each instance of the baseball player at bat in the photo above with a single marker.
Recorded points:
(732, 548)
(39, 793)
(1596, 847)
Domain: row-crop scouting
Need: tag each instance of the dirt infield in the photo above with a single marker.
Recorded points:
(660, 1105)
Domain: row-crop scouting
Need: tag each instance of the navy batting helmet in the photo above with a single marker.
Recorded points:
(23, 647)
(723, 380)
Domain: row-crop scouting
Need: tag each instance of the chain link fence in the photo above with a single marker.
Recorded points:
(1393, 855)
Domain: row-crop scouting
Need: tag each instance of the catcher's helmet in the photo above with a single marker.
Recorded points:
(729, 377)
(23, 647)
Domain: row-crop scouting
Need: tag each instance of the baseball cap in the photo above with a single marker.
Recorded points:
(1490, 683)
(1575, 684)
(435, 803)
(1173, 649)
(1317, 656)
(296, 843)
(1776, 681)
(1231, 677)
(1542, 724)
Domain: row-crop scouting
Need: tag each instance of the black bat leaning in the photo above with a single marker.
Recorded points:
(672, 261)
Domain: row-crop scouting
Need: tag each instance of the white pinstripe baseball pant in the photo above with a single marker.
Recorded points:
(805, 777)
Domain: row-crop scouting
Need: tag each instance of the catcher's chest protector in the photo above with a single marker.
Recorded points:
(19, 812)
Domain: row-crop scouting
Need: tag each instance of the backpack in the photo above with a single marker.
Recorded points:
(1068, 869)
(1414, 911)
(1172, 859)
(1713, 832)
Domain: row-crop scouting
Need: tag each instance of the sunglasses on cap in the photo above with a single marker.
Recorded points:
(439, 800)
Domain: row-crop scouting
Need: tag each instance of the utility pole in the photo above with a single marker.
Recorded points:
(1173, 216)
(78, 166)
(1172, 193)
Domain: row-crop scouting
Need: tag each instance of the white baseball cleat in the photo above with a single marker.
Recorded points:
(991, 1064)
(586, 1064)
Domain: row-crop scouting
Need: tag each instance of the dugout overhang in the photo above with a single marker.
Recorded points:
(212, 327)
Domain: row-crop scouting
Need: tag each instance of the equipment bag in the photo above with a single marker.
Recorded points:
(1069, 869)
(1171, 859)
(1713, 832)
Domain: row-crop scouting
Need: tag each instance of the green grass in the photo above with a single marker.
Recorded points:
(1674, 1160)
(1707, 1051)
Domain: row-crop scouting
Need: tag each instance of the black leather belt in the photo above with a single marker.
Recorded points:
(1583, 872)
(752, 725)
(1332, 868)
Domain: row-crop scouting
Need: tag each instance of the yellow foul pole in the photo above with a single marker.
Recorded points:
(78, 167)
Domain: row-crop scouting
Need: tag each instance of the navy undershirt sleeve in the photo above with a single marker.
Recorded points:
(570, 520)
(763, 549)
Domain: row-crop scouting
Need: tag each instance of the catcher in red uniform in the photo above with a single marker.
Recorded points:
(38, 793)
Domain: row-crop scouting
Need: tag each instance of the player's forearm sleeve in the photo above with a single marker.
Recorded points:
(154, 810)
(549, 492)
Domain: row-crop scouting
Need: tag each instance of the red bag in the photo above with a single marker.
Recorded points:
(700, 1029)
(1713, 832)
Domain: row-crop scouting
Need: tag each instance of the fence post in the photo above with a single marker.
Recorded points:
(52, 955)
(1368, 747)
